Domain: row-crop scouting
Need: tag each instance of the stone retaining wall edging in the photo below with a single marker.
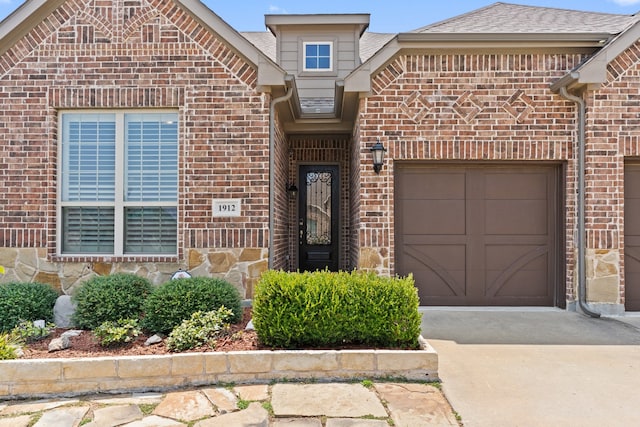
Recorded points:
(29, 378)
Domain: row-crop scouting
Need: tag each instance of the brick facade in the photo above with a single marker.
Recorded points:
(489, 106)
(479, 108)
(145, 54)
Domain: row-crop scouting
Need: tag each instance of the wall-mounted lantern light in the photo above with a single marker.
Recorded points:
(377, 155)
(293, 190)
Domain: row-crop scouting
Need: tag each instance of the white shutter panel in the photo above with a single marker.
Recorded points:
(89, 157)
(151, 157)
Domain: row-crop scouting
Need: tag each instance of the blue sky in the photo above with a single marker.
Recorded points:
(387, 16)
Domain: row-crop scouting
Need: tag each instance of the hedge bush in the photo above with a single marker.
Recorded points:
(292, 310)
(25, 301)
(176, 300)
(109, 299)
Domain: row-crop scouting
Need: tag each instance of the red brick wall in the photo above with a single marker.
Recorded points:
(283, 203)
(463, 107)
(134, 56)
(613, 136)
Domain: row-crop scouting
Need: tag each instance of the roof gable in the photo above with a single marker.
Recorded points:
(504, 25)
(109, 28)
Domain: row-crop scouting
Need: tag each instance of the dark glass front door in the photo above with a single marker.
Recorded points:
(318, 217)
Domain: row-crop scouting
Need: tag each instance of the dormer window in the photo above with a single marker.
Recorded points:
(318, 56)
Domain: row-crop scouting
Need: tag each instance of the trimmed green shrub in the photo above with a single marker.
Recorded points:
(201, 328)
(176, 300)
(109, 299)
(25, 301)
(117, 333)
(292, 310)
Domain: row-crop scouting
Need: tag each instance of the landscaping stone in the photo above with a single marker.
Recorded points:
(350, 422)
(416, 404)
(63, 417)
(71, 333)
(21, 421)
(115, 416)
(63, 311)
(133, 399)
(332, 400)
(185, 406)
(58, 344)
(254, 416)
(298, 422)
(224, 400)
(155, 339)
(35, 406)
(253, 392)
(155, 421)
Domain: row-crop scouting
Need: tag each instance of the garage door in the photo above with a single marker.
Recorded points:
(632, 237)
(479, 235)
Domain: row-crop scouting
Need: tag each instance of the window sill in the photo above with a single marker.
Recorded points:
(115, 259)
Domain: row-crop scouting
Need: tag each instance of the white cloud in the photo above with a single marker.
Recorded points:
(626, 2)
(278, 9)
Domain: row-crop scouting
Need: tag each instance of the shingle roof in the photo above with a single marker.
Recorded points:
(370, 43)
(263, 40)
(515, 18)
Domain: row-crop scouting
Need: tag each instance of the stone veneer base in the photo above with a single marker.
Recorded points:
(29, 378)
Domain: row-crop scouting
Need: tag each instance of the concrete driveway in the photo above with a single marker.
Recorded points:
(528, 367)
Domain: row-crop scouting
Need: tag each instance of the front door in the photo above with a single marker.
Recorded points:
(318, 217)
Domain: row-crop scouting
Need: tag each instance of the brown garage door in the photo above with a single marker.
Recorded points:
(632, 237)
(478, 234)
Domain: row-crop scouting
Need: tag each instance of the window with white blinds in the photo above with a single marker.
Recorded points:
(119, 183)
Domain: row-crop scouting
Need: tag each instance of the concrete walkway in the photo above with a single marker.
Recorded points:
(279, 405)
(537, 367)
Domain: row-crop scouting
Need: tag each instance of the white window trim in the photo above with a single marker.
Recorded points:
(331, 45)
(119, 203)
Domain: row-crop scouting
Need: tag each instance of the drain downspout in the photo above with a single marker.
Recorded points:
(272, 161)
(582, 273)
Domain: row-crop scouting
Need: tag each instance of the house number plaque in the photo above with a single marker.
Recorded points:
(226, 208)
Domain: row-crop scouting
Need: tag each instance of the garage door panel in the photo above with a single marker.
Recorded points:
(632, 277)
(508, 257)
(632, 236)
(442, 267)
(494, 246)
(510, 185)
(516, 217)
(447, 185)
(632, 210)
(517, 271)
(433, 217)
(513, 288)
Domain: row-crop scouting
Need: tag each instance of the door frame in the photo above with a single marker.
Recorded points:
(297, 207)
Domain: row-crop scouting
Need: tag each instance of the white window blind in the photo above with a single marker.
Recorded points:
(104, 214)
(151, 157)
(89, 168)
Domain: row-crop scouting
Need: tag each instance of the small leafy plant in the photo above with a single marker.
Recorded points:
(201, 328)
(10, 346)
(116, 333)
(30, 332)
